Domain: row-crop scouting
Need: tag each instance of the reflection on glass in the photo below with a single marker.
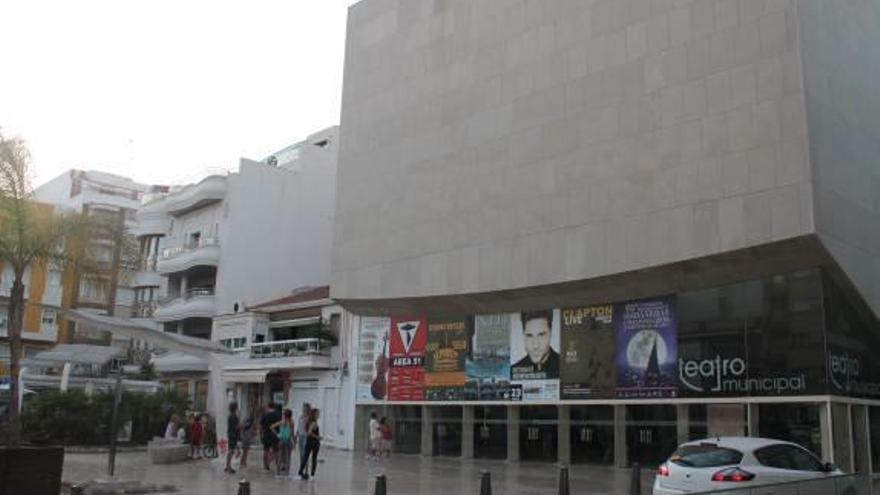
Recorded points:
(651, 433)
(446, 430)
(592, 434)
(538, 433)
(490, 432)
(797, 423)
(407, 427)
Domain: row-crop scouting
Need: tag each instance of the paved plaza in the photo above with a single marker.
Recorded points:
(343, 473)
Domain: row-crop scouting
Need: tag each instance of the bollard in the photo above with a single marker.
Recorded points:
(244, 487)
(77, 490)
(485, 483)
(564, 488)
(381, 489)
(635, 485)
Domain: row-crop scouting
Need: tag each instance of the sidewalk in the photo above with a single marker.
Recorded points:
(346, 473)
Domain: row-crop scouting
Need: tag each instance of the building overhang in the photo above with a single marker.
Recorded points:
(697, 273)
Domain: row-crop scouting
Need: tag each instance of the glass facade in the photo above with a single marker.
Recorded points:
(446, 424)
(651, 433)
(798, 423)
(490, 432)
(592, 434)
(538, 433)
(407, 429)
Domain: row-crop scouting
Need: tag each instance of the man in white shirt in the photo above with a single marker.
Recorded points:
(375, 436)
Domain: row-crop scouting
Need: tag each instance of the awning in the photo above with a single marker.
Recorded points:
(245, 376)
(296, 322)
(78, 354)
(176, 361)
(134, 329)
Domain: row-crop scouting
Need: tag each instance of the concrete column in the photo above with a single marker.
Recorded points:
(621, 452)
(467, 432)
(752, 420)
(826, 431)
(513, 433)
(683, 422)
(563, 435)
(842, 438)
(427, 431)
(861, 438)
(184, 284)
(361, 429)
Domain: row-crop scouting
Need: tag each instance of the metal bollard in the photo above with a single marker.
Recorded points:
(485, 483)
(244, 487)
(564, 488)
(635, 484)
(381, 487)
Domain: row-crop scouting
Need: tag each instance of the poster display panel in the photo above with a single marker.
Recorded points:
(587, 352)
(534, 355)
(372, 374)
(646, 338)
(407, 340)
(487, 367)
(445, 357)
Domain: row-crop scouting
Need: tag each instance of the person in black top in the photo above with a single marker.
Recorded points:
(313, 444)
(233, 429)
(541, 362)
(270, 441)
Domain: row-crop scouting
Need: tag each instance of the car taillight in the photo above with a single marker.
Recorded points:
(733, 474)
(663, 470)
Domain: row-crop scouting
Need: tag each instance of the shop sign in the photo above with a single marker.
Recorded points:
(730, 376)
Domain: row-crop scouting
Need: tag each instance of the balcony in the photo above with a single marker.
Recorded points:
(150, 222)
(210, 190)
(146, 278)
(179, 258)
(291, 354)
(195, 303)
(144, 309)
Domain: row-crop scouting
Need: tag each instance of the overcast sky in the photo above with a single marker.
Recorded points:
(164, 90)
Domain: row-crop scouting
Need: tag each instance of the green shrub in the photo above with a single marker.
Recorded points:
(73, 418)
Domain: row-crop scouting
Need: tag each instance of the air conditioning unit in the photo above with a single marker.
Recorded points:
(238, 307)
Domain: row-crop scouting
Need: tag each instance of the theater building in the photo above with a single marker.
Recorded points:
(588, 231)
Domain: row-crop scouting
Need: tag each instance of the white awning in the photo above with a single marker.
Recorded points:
(245, 376)
(78, 354)
(296, 322)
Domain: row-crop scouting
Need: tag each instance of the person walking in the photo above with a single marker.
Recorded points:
(247, 436)
(313, 445)
(284, 431)
(270, 441)
(375, 437)
(385, 429)
(196, 433)
(302, 424)
(233, 430)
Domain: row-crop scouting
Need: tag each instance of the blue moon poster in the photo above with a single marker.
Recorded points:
(647, 348)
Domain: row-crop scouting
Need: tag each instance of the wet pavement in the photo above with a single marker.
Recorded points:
(347, 473)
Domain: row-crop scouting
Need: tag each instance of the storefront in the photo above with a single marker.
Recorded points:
(784, 356)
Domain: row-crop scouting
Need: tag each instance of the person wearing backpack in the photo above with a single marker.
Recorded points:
(284, 430)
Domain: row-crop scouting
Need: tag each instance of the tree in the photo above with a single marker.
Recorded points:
(31, 233)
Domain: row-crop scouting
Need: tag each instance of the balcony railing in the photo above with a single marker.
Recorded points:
(189, 294)
(171, 252)
(289, 348)
(144, 309)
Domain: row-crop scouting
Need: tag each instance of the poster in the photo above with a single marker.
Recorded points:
(587, 353)
(372, 373)
(406, 354)
(647, 361)
(534, 355)
(445, 357)
(487, 367)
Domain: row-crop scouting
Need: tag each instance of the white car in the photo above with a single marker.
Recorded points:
(739, 462)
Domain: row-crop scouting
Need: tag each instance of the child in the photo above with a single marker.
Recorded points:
(284, 431)
(196, 434)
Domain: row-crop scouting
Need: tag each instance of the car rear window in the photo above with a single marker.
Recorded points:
(700, 456)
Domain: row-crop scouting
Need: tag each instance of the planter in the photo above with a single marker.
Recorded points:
(31, 470)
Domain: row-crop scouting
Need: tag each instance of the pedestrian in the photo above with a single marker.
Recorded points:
(172, 427)
(233, 431)
(375, 437)
(196, 434)
(313, 445)
(385, 429)
(284, 431)
(247, 436)
(270, 441)
(302, 429)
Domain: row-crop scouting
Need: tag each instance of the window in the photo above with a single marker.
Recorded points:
(48, 320)
(236, 343)
(3, 316)
(788, 457)
(54, 277)
(703, 456)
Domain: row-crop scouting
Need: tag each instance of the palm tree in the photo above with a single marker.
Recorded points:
(31, 234)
